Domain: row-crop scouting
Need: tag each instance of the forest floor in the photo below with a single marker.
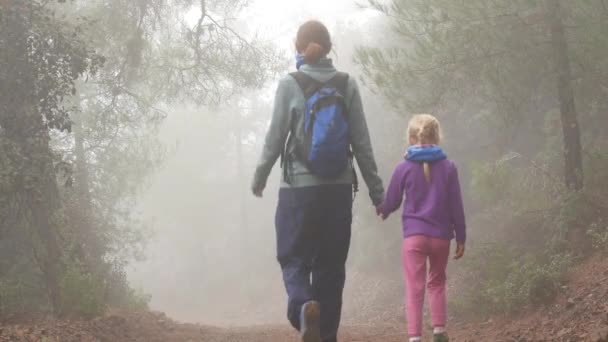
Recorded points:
(580, 313)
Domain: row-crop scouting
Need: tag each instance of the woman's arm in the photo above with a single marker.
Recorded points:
(275, 137)
(362, 145)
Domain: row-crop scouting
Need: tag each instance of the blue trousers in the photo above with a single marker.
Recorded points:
(313, 227)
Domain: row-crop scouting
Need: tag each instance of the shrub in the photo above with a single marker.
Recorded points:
(523, 238)
(120, 294)
(82, 293)
(511, 282)
(598, 234)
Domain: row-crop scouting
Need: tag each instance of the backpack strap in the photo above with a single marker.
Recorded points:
(340, 82)
(284, 166)
(308, 84)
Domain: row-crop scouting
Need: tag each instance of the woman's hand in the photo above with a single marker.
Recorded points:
(381, 213)
(459, 251)
(258, 191)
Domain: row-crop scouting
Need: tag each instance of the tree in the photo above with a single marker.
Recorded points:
(571, 130)
(155, 58)
(518, 87)
(483, 58)
(80, 134)
(41, 59)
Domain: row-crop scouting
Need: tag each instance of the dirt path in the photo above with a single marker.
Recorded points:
(154, 327)
(580, 313)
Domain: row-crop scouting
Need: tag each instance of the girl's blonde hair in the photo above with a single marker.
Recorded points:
(424, 129)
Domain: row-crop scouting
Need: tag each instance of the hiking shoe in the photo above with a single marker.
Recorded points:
(310, 322)
(440, 338)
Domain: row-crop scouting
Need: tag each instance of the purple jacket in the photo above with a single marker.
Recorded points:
(433, 209)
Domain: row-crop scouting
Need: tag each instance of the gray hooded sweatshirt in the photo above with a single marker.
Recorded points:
(288, 112)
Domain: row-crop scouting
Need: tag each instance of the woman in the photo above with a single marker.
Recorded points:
(314, 213)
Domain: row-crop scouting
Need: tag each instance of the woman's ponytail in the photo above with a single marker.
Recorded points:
(313, 53)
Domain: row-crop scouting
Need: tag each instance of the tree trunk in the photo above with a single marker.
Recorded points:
(87, 234)
(43, 200)
(81, 175)
(573, 170)
(42, 196)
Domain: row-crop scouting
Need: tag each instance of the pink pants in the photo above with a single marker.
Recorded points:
(416, 250)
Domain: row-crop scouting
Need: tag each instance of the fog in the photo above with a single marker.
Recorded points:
(130, 131)
(211, 257)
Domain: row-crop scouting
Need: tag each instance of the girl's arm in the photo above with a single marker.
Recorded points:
(394, 194)
(456, 207)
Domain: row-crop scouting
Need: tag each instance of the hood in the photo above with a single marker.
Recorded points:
(425, 153)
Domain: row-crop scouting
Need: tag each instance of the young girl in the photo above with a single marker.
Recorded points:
(432, 215)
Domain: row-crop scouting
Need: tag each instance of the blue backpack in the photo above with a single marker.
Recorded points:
(326, 147)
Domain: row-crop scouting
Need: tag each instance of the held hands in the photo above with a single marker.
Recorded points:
(459, 251)
(380, 213)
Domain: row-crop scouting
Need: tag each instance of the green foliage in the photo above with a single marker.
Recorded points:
(534, 281)
(531, 232)
(490, 181)
(120, 294)
(82, 293)
(598, 233)
(20, 294)
(85, 294)
(136, 299)
(78, 134)
(511, 281)
(489, 72)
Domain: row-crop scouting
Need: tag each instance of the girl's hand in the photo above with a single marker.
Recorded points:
(380, 213)
(459, 251)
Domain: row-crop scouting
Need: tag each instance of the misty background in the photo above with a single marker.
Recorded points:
(130, 129)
